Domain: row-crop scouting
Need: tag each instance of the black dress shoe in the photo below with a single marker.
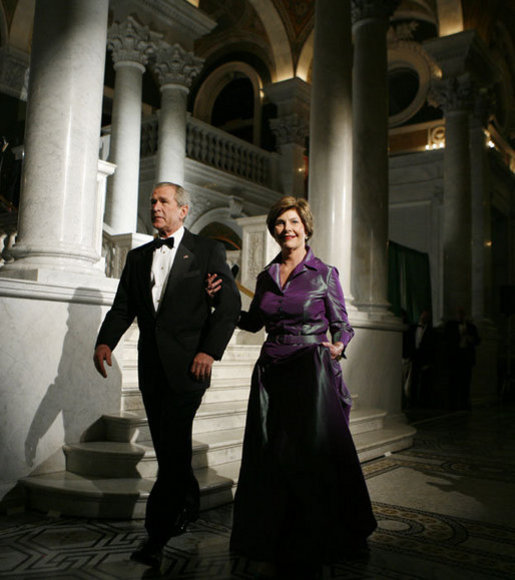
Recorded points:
(183, 520)
(149, 553)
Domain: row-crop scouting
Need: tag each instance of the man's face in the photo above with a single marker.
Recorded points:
(167, 217)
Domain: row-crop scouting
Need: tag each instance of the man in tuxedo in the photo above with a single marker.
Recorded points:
(422, 348)
(182, 331)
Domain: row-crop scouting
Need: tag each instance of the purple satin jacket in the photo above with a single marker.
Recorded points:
(311, 304)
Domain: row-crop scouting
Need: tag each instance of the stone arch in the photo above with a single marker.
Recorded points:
(221, 215)
(20, 35)
(450, 16)
(4, 30)
(278, 38)
(217, 81)
(305, 61)
(411, 56)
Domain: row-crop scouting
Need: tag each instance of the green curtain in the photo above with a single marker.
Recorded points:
(409, 282)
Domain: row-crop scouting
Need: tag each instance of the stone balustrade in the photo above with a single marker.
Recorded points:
(216, 148)
(8, 233)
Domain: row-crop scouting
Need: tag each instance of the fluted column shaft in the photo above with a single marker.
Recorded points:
(131, 45)
(330, 161)
(176, 69)
(57, 223)
(481, 223)
(370, 155)
(454, 95)
(456, 222)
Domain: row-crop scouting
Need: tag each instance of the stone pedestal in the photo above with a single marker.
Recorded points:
(131, 45)
(58, 220)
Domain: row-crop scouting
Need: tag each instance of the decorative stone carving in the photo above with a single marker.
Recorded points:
(175, 65)
(377, 9)
(235, 207)
(130, 41)
(200, 204)
(453, 94)
(290, 129)
(402, 31)
(256, 257)
(14, 67)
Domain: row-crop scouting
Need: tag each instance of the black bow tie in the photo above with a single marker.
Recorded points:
(158, 242)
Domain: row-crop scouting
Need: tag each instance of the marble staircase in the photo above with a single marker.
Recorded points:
(111, 476)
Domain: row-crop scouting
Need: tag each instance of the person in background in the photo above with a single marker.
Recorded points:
(422, 352)
(461, 339)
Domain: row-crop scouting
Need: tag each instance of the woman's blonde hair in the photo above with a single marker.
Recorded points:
(299, 204)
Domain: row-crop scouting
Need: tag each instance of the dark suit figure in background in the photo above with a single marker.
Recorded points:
(182, 331)
(461, 339)
(421, 348)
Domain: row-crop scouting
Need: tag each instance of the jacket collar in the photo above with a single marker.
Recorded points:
(310, 261)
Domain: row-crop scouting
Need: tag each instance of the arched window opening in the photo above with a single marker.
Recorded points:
(233, 109)
(223, 234)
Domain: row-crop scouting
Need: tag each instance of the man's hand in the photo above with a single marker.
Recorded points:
(201, 367)
(213, 285)
(102, 353)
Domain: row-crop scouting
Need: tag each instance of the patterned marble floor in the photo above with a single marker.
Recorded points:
(445, 508)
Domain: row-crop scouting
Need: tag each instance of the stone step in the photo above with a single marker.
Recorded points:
(366, 419)
(70, 494)
(240, 370)
(114, 459)
(216, 416)
(374, 444)
(218, 413)
(75, 495)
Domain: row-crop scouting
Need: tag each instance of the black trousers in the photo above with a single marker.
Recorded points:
(170, 417)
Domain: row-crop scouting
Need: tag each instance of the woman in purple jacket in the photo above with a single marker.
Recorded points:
(301, 499)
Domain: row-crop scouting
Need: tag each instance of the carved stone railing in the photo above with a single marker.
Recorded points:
(8, 233)
(115, 248)
(216, 148)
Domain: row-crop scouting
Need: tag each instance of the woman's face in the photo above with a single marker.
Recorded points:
(289, 230)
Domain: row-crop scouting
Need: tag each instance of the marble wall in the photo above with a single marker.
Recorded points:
(50, 390)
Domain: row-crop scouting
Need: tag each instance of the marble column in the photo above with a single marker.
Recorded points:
(291, 127)
(455, 97)
(370, 155)
(176, 68)
(131, 45)
(57, 216)
(330, 148)
(481, 221)
(466, 70)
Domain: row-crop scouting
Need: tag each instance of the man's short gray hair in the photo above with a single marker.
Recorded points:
(181, 195)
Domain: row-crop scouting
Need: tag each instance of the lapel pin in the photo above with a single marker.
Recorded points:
(186, 256)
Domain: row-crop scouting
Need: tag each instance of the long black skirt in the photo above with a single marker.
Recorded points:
(301, 493)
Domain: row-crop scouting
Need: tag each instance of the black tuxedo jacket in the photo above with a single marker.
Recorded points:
(186, 322)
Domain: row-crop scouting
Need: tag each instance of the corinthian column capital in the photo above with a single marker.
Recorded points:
(174, 65)
(377, 9)
(131, 42)
(290, 129)
(454, 93)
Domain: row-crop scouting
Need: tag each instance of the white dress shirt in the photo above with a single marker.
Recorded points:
(162, 262)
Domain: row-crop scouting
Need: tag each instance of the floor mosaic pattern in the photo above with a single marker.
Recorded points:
(445, 511)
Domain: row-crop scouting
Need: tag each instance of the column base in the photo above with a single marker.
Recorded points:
(375, 316)
(57, 273)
